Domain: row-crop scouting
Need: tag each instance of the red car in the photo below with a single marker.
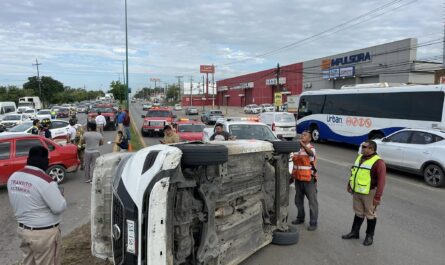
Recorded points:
(14, 151)
(189, 130)
(155, 120)
(108, 113)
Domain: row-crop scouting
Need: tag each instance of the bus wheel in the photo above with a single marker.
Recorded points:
(376, 135)
(315, 133)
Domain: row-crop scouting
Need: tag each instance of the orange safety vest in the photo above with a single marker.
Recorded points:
(304, 165)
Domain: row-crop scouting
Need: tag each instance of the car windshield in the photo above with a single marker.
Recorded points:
(216, 112)
(191, 127)
(103, 110)
(12, 118)
(21, 128)
(64, 109)
(285, 117)
(158, 113)
(251, 131)
(44, 112)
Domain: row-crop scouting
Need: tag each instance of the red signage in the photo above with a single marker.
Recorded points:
(442, 80)
(209, 69)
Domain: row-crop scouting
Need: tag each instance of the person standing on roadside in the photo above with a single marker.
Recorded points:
(38, 205)
(120, 120)
(170, 137)
(71, 134)
(305, 175)
(100, 122)
(126, 124)
(35, 127)
(92, 140)
(366, 184)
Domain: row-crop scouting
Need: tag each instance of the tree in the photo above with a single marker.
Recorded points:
(49, 87)
(173, 92)
(118, 90)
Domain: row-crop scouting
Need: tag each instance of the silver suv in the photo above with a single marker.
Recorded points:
(191, 203)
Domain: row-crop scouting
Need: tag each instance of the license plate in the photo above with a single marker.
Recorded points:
(131, 244)
(156, 123)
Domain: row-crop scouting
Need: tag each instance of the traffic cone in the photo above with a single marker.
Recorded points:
(130, 148)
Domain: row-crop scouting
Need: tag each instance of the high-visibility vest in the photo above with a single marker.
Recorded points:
(304, 165)
(360, 179)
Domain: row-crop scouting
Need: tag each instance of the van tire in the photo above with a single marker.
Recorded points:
(203, 154)
(315, 133)
(286, 238)
(286, 146)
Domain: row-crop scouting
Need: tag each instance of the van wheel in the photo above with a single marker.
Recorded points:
(203, 154)
(285, 238)
(285, 146)
(434, 175)
(315, 133)
(57, 173)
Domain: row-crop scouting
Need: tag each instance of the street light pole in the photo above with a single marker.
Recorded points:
(126, 55)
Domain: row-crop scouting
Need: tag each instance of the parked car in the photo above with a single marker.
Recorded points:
(191, 203)
(146, 106)
(108, 113)
(191, 111)
(283, 124)
(267, 108)
(58, 129)
(155, 120)
(189, 130)
(210, 116)
(11, 120)
(252, 109)
(178, 107)
(63, 113)
(14, 151)
(415, 150)
(43, 114)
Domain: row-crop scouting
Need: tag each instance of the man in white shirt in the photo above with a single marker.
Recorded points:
(100, 123)
(71, 136)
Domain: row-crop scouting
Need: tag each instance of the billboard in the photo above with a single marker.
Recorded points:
(207, 69)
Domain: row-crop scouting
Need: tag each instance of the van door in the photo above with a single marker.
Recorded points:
(285, 125)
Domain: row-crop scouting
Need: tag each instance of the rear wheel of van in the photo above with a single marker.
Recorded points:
(285, 238)
(203, 154)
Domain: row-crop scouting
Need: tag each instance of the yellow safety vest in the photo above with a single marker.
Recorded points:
(360, 179)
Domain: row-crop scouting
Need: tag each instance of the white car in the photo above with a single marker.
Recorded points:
(21, 110)
(14, 119)
(43, 114)
(191, 203)
(252, 109)
(58, 129)
(242, 129)
(282, 123)
(416, 150)
(178, 107)
(31, 113)
(267, 108)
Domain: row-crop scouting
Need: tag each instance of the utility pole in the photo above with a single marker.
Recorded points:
(179, 85)
(126, 56)
(204, 94)
(278, 83)
(123, 72)
(38, 77)
(213, 90)
(191, 90)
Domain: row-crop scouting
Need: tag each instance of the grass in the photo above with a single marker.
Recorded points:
(135, 141)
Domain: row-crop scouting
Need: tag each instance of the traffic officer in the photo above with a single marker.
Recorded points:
(366, 184)
(305, 176)
(38, 205)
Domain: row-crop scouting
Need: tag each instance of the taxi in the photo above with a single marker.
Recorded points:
(155, 120)
(189, 130)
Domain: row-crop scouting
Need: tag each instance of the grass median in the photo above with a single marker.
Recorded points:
(135, 140)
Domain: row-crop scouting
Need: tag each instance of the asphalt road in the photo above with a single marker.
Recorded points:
(77, 194)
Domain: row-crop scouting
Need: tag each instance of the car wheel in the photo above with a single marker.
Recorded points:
(434, 175)
(285, 238)
(203, 154)
(285, 146)
(315, 133)
(144, 134)
(57, 173)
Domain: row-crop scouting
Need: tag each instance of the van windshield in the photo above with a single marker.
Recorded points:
(285, 117)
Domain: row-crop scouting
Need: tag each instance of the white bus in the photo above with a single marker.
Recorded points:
(32, 102)
(354, 115)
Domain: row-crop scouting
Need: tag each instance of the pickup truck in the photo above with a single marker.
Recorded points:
(155, 120)
(108, 113)
(191, 203)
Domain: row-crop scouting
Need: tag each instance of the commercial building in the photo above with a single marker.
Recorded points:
(394, 62)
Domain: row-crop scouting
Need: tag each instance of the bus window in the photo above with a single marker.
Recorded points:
(310, 105)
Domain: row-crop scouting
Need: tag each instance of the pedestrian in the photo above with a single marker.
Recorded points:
(122, 141)
(126, 123)
(170, 136)
(35, 127)
(92, 140)
(305, 176)
(71, 133)
(38, 205)
(366, 184)
(120, 119)
(80, 145)
(220, 134)
(100, 122)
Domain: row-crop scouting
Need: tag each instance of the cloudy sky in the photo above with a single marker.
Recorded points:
(82, 42)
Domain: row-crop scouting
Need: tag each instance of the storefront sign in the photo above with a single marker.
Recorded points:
(341, 72)
(273, 81)
(207, 69)
(347, 71)
(278, 99)
(356, 58)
